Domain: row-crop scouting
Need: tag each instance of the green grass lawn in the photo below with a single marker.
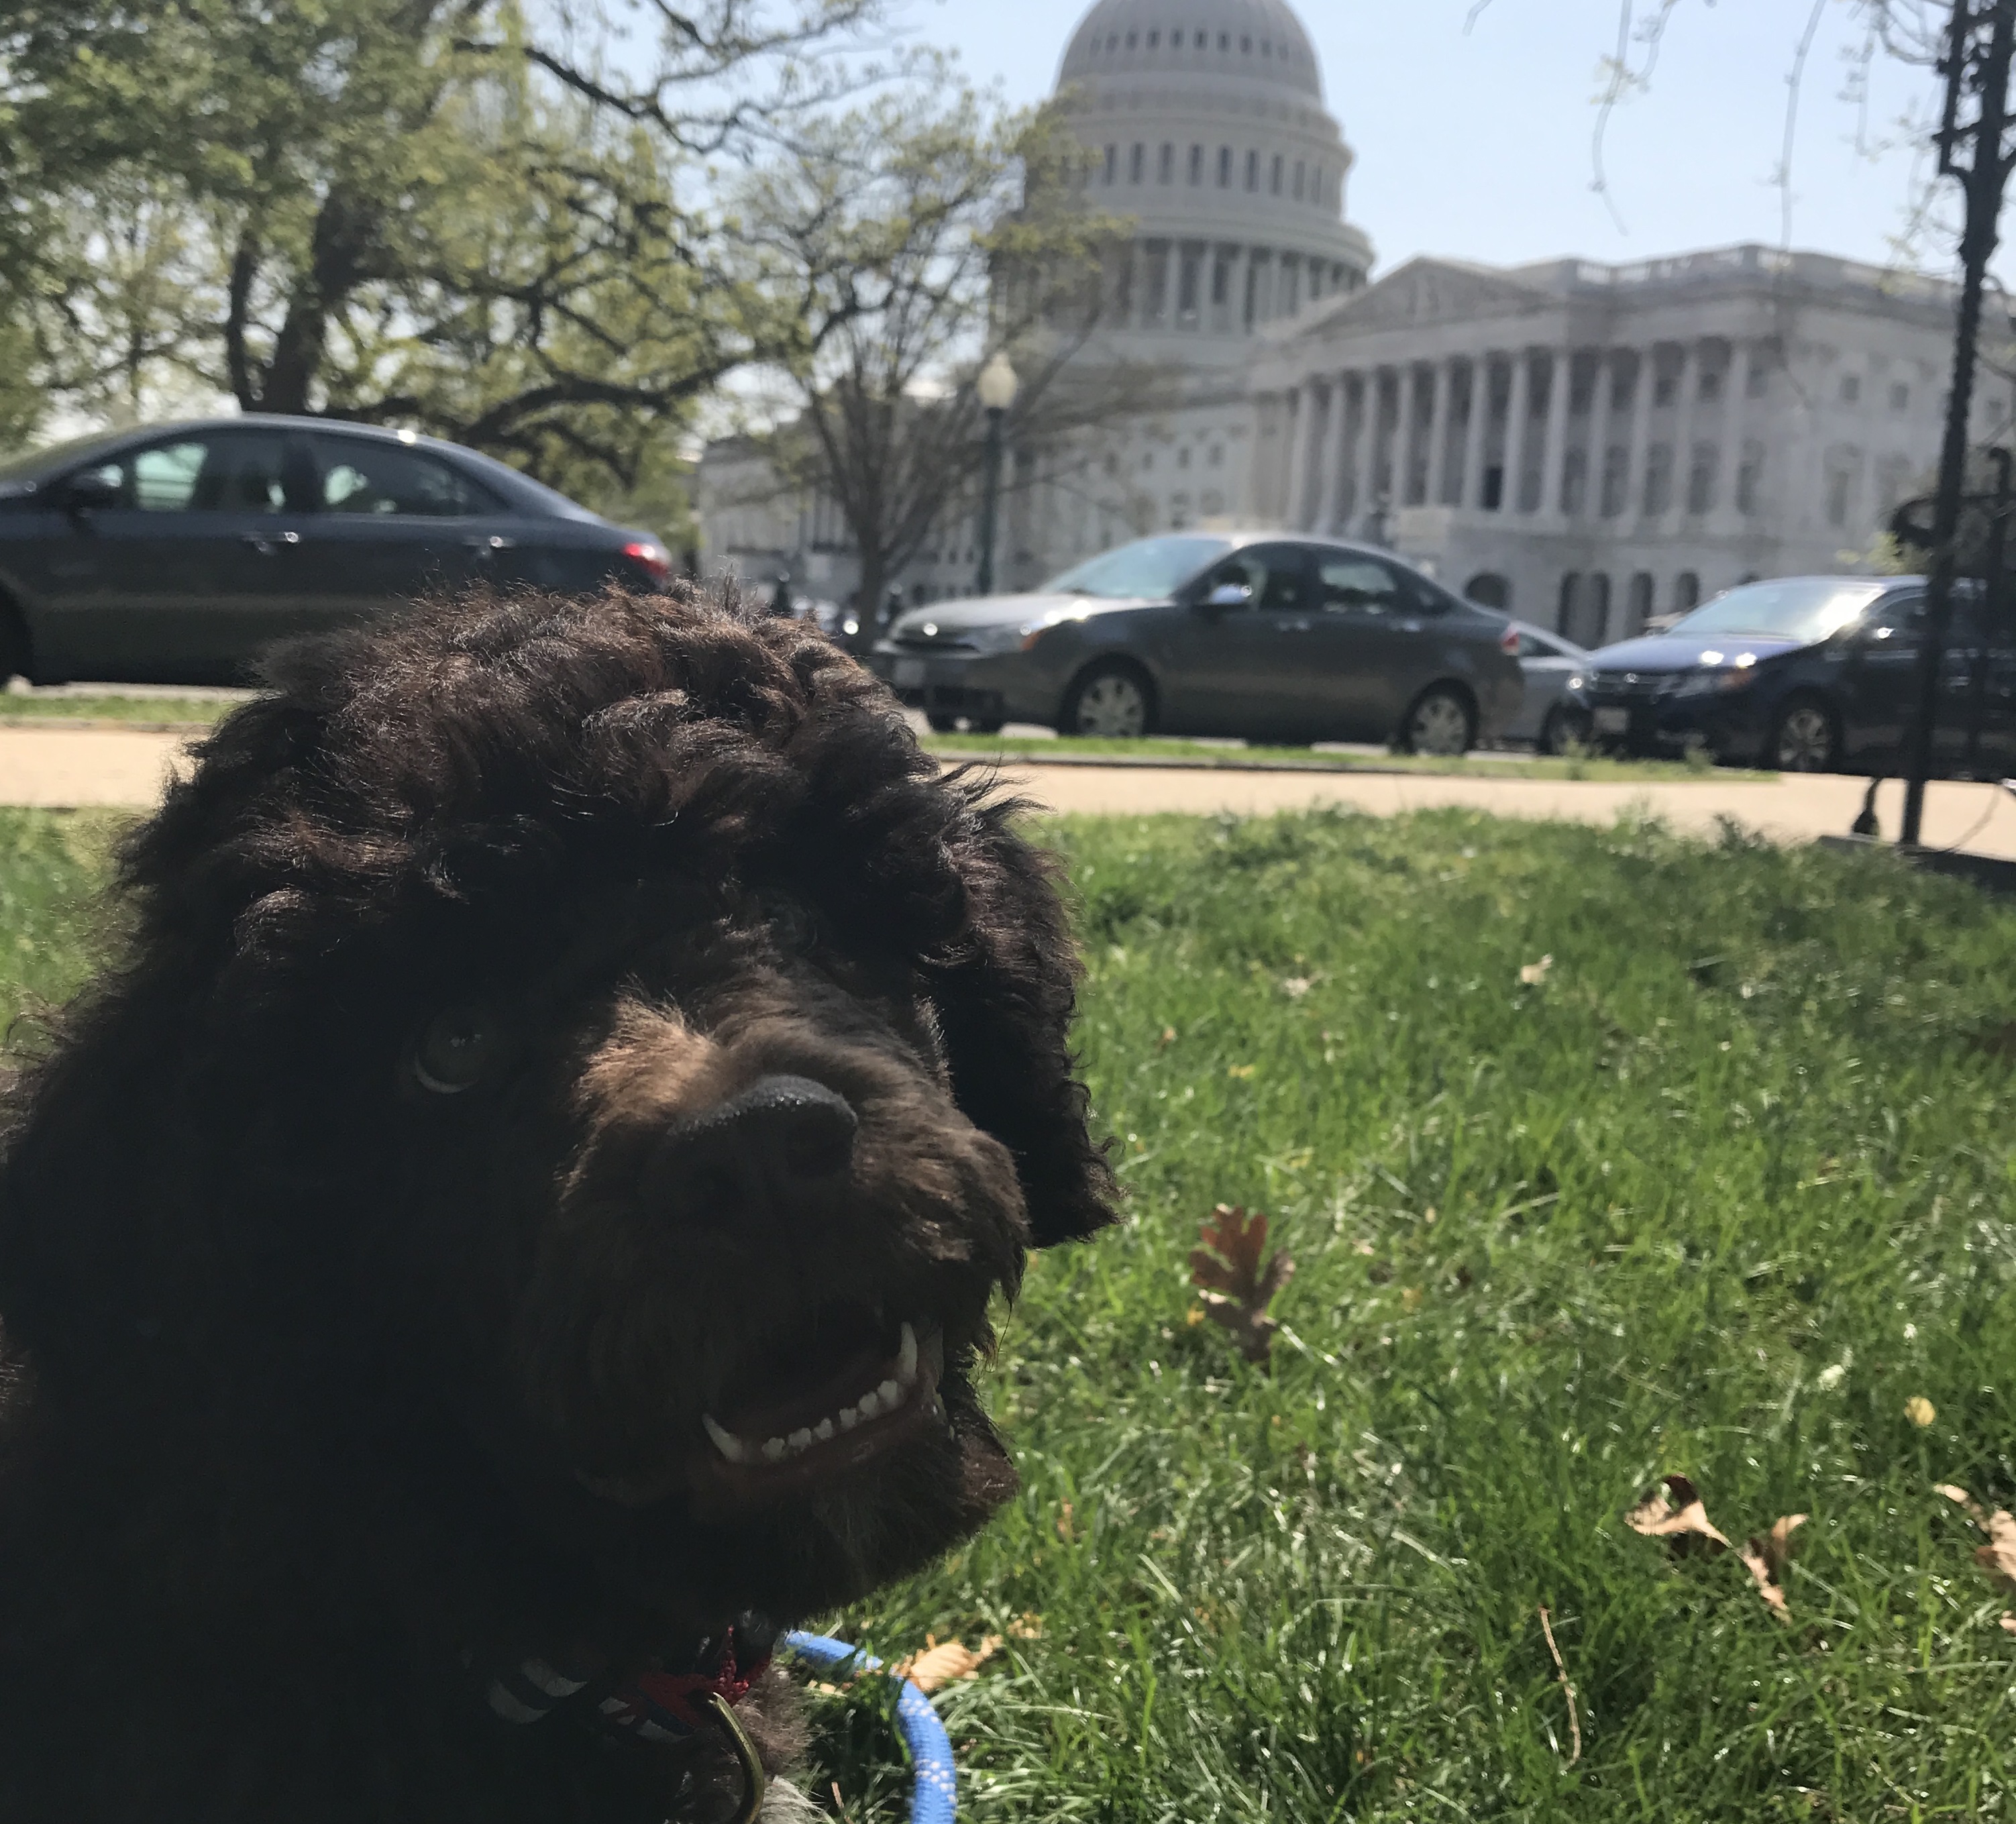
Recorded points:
(175, 711)
(1719, 1194)
(1481, 764)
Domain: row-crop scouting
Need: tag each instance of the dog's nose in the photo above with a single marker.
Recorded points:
(780, 1140)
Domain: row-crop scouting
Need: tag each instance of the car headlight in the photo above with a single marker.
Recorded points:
(1708, 683)
(1577, 681)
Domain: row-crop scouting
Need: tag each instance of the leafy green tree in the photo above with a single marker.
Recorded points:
(423, 211)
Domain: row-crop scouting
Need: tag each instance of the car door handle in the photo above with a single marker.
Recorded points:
(489, 547)
(267, 544)
(1292, 626)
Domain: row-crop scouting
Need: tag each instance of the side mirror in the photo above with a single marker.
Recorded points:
(1228, 595)
(92, 491)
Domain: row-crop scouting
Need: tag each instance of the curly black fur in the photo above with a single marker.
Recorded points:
(330, 1392)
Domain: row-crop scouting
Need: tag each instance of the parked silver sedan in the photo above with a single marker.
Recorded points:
(1547, 716)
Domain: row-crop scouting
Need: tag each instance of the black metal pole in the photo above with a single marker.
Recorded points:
(990, 501)
(1983, 176)
(1990, 609)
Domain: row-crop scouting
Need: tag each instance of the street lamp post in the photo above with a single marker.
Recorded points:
(996, 388)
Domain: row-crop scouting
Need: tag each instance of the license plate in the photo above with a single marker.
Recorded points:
(909, 673)
(1613, 721)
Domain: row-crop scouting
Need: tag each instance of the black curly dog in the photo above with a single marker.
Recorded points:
(516, 1227)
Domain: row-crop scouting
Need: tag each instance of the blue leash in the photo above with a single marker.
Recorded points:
(934, 1797)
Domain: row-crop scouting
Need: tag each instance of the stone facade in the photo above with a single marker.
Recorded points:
(1590, 445)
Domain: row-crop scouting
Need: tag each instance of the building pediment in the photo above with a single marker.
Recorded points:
(1423, 291)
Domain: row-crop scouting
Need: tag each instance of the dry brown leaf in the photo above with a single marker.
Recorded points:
(1067, 1528)
(940, 1665)
(1236, 1289)
(1998, 1556)
(1026, 1626)
(1533, 974)
(1920, 1411)
(1682, 1519)
(1765, 1559)
(1960, 1498)
(1168, 1037)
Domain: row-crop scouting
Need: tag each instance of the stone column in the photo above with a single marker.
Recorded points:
(1553, 460)
(1137, 285)
(1594, 467)
(1367, 483)
(1403, 440)
(1470, 489)
(1260, 467)
(1235, 290)
(1441, 377)
(1729, 469)
(1684, 432)
(1301, 422)
(1641, 431)
(1515, 429)
(1172, 268)
(1330, 506)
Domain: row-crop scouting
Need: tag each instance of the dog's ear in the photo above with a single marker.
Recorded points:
(1005, 1000)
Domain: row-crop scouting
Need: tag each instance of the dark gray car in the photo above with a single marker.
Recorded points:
(1251, 633)
(175, 553)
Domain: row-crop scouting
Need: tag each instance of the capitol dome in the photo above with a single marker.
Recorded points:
(1205, 124)
(1259, 40)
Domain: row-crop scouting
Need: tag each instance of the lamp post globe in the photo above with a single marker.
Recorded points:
(995, 385)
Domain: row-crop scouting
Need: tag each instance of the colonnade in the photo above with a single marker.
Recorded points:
(1218, 287)
(1655, 435)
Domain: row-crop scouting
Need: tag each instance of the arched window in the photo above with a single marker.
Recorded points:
(1596, 615)
(1197, 164)
(1168, 171)
(1488, 589)
(1225, 167)
(1300, 169)
(1253, 170)
(1274, 176)
(1136, 162)
(1564, 610)
(1686, 590)
(1112, 163)
(1638, 604)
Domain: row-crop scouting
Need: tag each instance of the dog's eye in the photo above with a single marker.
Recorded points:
(455, 1049)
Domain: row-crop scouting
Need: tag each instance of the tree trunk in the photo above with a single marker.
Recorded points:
(337, 264)
(874, 580)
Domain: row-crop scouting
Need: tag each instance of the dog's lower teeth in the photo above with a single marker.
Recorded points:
(724, 1440)
(891, 1394)
(870, 1406)
(823, 1430)
(773, 1450)
(800, 1440)
(849, 1418)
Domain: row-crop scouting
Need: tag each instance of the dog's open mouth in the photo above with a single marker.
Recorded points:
(846, 1387)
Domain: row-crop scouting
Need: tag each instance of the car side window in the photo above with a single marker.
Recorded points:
(1530, 648)
(233, 472)
(1358, 585)
(1275, 574)
(359, 477)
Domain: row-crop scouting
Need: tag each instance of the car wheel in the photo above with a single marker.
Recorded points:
(16, 659)
(986, 725)
(1113, 702)
(941, 724)
(1441, 721)
(1563, 726)
(1806, 738)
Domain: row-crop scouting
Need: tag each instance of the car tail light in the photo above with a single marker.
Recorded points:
(1508, 641)
(651, 559)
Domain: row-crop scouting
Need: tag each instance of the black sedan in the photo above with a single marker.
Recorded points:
(175, 553)
(1254, 634)
(1811, 675)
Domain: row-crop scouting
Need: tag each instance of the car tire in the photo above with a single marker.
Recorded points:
(941, 724)
(1805, 737)
(17, 658)
(1442, 720)
(985, 726)
(1563, 726)
(1112, 700)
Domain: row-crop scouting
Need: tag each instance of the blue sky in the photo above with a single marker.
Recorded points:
(1476, 144)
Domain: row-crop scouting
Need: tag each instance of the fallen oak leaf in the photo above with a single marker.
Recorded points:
(1998, 1556)
(1683, 1519)
(939, 1665)
(1532, 974)
(1234, 1288)
(1765, 1559)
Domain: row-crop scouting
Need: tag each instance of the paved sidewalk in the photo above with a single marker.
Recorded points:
(69, 766)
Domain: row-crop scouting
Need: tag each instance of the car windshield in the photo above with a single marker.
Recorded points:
(1147, 568)
(1801, 608)
(35, 462)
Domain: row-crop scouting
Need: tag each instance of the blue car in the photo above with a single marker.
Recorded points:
(1811, 675)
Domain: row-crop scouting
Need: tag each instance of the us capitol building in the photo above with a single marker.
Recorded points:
(1584, 444)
